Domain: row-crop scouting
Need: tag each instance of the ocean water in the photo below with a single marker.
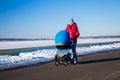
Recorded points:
(39, 56)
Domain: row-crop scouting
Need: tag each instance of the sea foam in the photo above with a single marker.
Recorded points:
(46, 55)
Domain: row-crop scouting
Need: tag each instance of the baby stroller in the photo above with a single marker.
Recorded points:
(64, 54)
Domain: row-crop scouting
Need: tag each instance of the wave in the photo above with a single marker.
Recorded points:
(43, 43)
(46, 55)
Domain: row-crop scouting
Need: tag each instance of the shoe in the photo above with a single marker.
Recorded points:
(75, 61)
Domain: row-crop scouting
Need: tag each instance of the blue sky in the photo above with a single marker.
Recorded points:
(44, 18)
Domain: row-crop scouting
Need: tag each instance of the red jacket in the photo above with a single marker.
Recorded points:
(73, 31)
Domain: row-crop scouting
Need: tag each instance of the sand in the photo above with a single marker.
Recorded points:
(101, 66)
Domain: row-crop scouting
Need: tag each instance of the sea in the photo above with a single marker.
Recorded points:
(88, 45)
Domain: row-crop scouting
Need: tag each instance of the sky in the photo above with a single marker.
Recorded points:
(44, 18)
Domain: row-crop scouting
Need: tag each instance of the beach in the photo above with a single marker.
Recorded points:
(100, 66)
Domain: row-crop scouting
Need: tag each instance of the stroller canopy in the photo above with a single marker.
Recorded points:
(62, 38)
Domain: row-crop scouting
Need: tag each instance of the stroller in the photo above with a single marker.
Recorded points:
(64, 54)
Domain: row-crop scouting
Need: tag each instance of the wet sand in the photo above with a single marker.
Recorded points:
(101, 66)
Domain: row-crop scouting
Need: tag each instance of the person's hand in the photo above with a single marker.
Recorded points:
(75, 38)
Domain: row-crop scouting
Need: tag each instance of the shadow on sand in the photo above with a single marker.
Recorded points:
(99, 60)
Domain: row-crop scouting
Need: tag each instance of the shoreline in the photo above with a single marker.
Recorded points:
(17, 50)
(100, 66)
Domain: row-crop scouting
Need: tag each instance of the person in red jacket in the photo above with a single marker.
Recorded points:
(74, 34)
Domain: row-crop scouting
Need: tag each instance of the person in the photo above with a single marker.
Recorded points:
(74, 34)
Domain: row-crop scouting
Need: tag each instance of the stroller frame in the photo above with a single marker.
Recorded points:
(61, 58)
(64, 55)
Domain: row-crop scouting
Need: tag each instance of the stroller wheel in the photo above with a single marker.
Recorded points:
(57, 60)
(65, 60)
(65, 63)
(56, 63)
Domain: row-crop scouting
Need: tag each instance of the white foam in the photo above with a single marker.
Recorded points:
(45, 55)
(97, 48)
(96, 40)
(25, 44)
(40, 43)
(26, 58)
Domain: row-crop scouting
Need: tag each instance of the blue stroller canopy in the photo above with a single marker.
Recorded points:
(62, 39)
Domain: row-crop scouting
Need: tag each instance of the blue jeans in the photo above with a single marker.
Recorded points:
(73, 45)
